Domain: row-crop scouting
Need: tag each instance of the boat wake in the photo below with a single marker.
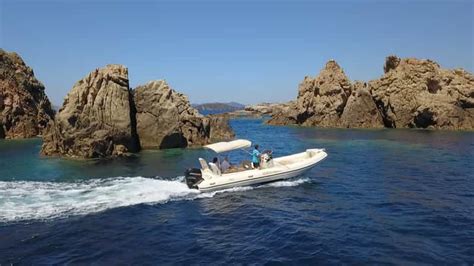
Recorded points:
(28, 200)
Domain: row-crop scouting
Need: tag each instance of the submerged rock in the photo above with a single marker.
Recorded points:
(97, 118)
(24, 107)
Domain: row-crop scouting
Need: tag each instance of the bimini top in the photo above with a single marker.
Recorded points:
(229, 146)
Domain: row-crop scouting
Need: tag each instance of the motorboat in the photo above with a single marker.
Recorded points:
(210, 177)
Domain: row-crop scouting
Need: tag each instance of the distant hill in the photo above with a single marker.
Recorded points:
(217, 108)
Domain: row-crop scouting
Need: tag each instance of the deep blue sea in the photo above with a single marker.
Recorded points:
(399, 197)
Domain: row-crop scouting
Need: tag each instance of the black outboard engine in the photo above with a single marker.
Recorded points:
(193, 177)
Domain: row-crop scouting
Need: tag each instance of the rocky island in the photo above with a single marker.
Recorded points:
(103, 117)
(24, 107)
(412, 93)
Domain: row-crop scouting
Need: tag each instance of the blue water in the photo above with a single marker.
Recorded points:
(381, 197)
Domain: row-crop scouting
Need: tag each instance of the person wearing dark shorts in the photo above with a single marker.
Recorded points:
(256, 157)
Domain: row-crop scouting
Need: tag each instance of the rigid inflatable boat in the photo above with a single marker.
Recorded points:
(209, 177)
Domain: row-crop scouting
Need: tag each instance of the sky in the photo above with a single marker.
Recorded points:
(222, 51)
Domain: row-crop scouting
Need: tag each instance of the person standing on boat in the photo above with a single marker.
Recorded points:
(256, 157)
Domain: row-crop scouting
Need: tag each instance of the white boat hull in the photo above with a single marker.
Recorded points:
(283, 168)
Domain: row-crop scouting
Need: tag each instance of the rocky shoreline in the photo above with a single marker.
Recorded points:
(103, 117)
(412, 93)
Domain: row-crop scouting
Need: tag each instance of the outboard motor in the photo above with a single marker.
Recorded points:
(193, 177)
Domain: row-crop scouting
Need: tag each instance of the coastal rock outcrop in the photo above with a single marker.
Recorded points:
(24, 107)
(97, 118)
(360, 110)
(268, 108)
(416, 93)
(321, 100)
(165, 118)
(259, 110)
(412, 93)
(102, 117)
(220, 129)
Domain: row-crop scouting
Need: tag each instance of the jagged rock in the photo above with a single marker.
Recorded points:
(321, 100)
(220, 129)
(360, 110)
(411, 93)
(287, 114)
(166, 119)
(391, 62)
(419, 93)
(97, 118)
(24, 107)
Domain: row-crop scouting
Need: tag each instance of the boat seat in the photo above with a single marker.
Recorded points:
(203, 163)
(214, 169)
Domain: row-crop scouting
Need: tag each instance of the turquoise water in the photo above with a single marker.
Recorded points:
(381, 196)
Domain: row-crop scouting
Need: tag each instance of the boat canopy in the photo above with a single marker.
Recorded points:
(229, 146)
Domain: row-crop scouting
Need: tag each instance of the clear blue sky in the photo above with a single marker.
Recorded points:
(243, 51)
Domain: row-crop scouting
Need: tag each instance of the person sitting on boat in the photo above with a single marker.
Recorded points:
(225, 165)
(256, 157)
(216, 162)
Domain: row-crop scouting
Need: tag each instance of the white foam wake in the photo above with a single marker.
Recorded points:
(27, 200)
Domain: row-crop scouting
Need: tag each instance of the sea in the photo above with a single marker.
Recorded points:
(382, 196)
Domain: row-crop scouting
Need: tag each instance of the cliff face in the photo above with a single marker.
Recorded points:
(102, 117)
(24, 107)
(165, 118)
(220, 129)
(419, 93)
(360, 110)
(321, 100)
(412, 93)
(95, 119)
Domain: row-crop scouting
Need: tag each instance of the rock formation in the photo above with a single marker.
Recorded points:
(321, 100)
(412, 93)
(165, 118)
(24, 107)
(102, 117)
(220, 129)
(360, 110)
(267, 108)
(96, 119)
(420, 94)
(258, 110)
